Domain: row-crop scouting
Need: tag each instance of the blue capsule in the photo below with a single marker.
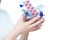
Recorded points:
(21, 5)
(41, 13)
(27, 13)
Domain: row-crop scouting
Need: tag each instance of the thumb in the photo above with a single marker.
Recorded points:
(24, 17)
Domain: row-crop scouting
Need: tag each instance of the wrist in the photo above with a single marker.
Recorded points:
(12, 35)
(25, 32)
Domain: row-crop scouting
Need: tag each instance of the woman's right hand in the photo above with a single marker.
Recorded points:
(23, 25)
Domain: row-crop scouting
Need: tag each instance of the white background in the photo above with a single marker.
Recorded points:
(51, 26)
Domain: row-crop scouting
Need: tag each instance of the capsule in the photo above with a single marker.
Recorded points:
(41, 13)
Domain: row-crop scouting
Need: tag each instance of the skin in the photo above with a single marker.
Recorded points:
(26, 32)
(23, 28)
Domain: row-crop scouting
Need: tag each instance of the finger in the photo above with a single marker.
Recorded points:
(33, 20)
(23, 17)
(37, 23)
(36, 28)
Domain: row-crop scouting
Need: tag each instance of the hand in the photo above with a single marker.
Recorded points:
(23, 25)
(25, 34)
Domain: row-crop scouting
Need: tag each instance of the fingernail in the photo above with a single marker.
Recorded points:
(38, 17)
(42, 19)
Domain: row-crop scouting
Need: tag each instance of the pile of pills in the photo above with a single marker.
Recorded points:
(29, 10)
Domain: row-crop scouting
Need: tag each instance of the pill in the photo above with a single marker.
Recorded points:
(21, 5)
(41, 13)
